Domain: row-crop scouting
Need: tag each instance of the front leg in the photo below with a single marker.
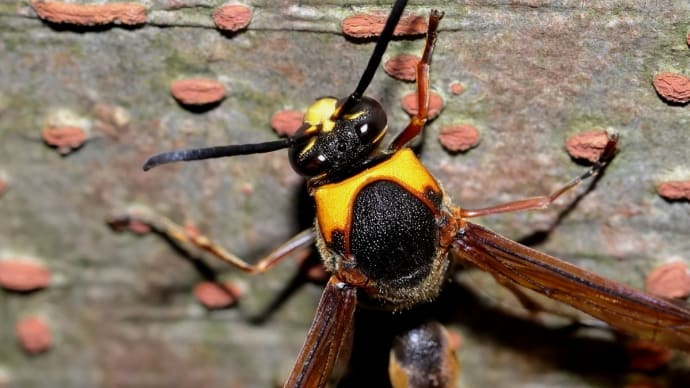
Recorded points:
(183, 236)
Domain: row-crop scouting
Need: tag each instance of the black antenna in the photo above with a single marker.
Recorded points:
(215, 152)
(375, 59)
(246, 149)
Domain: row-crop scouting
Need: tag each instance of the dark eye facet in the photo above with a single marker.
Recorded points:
(312, 165)
(363, 130)
(369, 122)
(306, 157)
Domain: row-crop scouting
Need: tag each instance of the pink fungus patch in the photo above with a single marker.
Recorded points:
(287, 122)
(402, 67)
(670, 280)
(458, 138)
(23, 276)
(232, 17)
(34, 335)
(456, 88)
(410, 105)
(215, 295)
(673, 87)
(65, 139)
(362, 26)
(130, 14)
(197, 91)
(587, 145)
(674, 190)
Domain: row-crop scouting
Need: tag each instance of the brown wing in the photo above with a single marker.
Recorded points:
(624, 308)
(329, 331)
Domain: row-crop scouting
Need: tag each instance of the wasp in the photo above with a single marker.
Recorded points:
(388, 234)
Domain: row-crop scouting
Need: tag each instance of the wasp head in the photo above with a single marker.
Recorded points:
(334, 140)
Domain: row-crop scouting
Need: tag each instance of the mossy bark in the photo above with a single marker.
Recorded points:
(534, 73)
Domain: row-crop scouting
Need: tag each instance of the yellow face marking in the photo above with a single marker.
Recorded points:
(353, 116)
(320, 112)
(307, 147)
(334, 201)
(381, 135)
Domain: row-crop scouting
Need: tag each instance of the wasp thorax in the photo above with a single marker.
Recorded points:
(338, 144)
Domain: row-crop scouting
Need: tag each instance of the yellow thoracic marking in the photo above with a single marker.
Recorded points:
(334, 201)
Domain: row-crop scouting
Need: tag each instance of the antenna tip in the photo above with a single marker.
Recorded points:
(150, 163)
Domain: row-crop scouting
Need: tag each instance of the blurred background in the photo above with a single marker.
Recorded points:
(86, 94)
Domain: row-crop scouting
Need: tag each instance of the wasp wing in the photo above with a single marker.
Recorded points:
(328, 333)
(631, 311)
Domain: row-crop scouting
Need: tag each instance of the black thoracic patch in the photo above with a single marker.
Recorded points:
(393, 236)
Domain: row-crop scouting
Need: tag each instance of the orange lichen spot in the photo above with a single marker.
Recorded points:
(130, 14)
(673, 87)
(365, 25)
(402, 67)
(459, 137)
(674, 190)
(670, 280)
(287, 122)
(197, 91)
(23, 276)
(215, 295)
(647, 356)
(232, 17)
(456, 88)
(587, 145)
(34, 335)
(410, 105)
(64, 138)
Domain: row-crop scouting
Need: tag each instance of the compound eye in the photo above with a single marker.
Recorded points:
(363, 131)
(320, 159)
(313, 165)
(372, 123)
(367, 132)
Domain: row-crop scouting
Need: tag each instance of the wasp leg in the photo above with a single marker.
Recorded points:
(181, 235)
(534, 307)
(418, 121)
(545, 201)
